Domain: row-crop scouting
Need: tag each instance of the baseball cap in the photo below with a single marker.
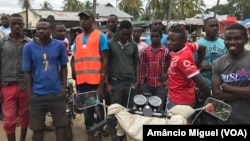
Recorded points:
(87, 13)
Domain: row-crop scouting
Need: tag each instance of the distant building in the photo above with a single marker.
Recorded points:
(70, 19)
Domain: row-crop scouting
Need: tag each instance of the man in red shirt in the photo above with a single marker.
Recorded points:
(154, 64)
(183, 74)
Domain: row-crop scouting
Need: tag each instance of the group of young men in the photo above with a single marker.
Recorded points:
(34, 72)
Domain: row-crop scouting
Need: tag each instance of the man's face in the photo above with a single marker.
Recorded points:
(16, 24)
(136, 33)
(5, 21)
(43, 30)
(59, 32)
(175, 42)
(235, 41)
(157, 24)
(212, 28)
(124, 34)
(112, 23)
(155, 38)
(86, 22)
(51, 20)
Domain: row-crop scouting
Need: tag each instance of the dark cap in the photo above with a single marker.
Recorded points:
(87, 13)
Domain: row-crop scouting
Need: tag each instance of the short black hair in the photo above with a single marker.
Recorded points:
(137, 26)
(43, 20)
(154, 29)
(157, 20)
(51, 16)
(237, 26)
(16, 15)
(180, 31)
(209, 18)
(113, 15)
(125, 24)
(53, 26)
(4, 16)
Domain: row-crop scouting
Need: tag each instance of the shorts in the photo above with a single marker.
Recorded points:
(41, 104)
(15, 107)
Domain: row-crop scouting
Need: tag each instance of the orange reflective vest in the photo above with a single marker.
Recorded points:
(88, 59)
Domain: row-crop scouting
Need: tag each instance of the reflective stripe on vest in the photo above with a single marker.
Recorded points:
(87, 60)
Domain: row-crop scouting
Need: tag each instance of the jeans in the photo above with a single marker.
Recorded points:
(122, 93)
(90, 112)
(89, 116)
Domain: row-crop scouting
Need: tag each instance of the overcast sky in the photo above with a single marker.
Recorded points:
(11, 6)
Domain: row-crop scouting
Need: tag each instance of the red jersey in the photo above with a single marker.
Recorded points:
(182, 68)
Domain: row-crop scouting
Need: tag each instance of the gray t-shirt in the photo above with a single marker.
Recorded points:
(235, 73)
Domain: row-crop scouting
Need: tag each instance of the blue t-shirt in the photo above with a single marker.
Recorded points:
(102, 46)
(215, 49)
(164, 39)
(44, 63)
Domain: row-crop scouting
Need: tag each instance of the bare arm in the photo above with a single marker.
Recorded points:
(243, 92)
(64, 73)
(225, 91)
(72, 68)
(137, 73)
(28, 81)
(222, 94)
(202, 85)
(201, 54)
(104, 60)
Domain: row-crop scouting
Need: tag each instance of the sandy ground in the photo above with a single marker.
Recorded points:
(78, 128)
(78, 131)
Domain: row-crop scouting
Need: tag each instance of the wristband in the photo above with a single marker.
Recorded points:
(221, 87)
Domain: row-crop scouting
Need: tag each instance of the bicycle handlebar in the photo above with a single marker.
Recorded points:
(110, 119)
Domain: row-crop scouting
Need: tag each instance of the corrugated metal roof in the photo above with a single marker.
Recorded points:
(59, 15)
(192, 21)
(103, 11)
(210, 14)
(106, 9)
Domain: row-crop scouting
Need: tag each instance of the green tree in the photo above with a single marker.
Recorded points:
(223, 9)
(72, 5)
(88, 5)
(46, 6)
(241, 8)
(187, 8)
(154, 7)
(132, 7)
(26, 4)
(238, 8)
(179, 9)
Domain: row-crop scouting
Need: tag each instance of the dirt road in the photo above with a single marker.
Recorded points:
(78, 128)
(78, 131)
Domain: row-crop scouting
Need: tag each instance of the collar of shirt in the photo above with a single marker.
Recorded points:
(123, 46)
(25, 38)
(160, 48)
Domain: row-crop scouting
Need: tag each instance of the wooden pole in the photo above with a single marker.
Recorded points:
(169, 12)
(216, 8)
